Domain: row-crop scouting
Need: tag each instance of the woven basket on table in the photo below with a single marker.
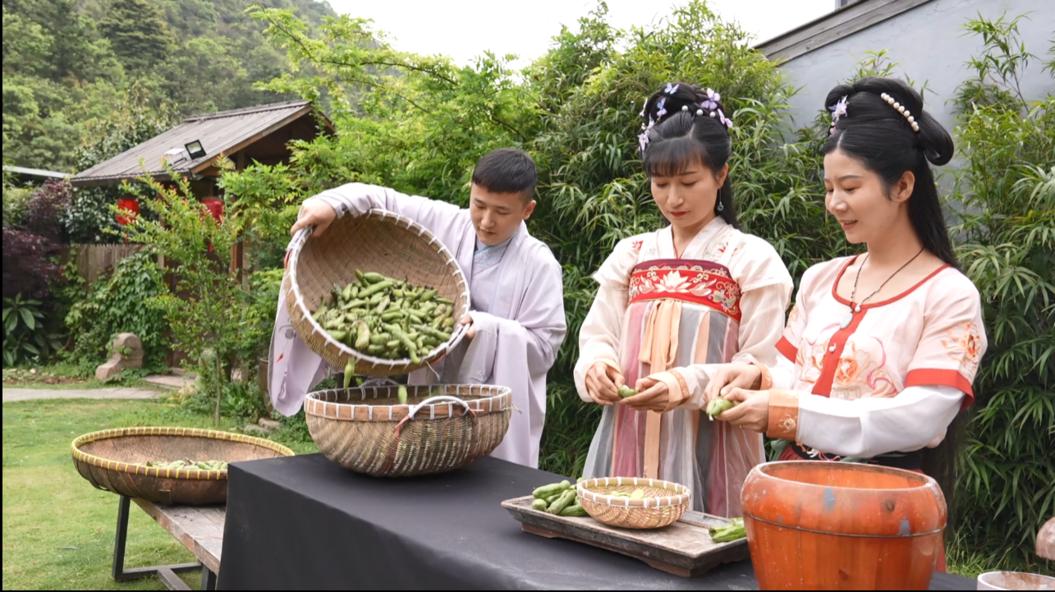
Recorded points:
(377, 241)
(440, 428)
(115, 460)
(662, 505)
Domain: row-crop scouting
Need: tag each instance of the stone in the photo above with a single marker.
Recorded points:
(254, 430)
(269, 424)
(126, 351)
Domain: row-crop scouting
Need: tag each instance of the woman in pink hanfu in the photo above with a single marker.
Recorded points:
(672, 305)
(881, 348)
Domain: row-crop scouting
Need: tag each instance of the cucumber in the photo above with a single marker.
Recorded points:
(572, 510)
(562, 502)
(552, 488)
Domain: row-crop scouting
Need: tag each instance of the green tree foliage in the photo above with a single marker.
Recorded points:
(206, 310)
(1007, 187)
(124, 302)
(69, 63)
(138, 34)
(419, 123)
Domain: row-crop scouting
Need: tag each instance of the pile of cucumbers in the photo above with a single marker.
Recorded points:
(557, 498)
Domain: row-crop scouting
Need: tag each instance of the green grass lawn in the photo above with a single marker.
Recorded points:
(58, 530)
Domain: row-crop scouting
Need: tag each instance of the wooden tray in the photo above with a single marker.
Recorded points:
(684, 548)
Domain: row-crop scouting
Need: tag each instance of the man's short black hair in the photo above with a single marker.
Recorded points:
(506, 170)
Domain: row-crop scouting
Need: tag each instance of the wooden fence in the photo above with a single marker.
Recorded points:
(94, 261)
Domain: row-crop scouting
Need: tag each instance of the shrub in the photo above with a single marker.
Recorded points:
(29, 263)
(1007, 187)
(123, 302)
(26, 339)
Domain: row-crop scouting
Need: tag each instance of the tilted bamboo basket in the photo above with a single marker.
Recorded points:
(377, 241)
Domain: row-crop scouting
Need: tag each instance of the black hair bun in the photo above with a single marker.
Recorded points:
(865, 104)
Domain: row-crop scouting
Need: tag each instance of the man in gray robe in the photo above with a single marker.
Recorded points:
(516, 294)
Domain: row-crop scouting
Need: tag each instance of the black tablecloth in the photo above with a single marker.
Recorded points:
(305, 522)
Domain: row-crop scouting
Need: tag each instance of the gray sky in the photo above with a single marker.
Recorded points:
(463, 29)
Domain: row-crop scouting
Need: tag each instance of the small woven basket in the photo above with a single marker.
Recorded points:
(662, 505)
(114, 460)
(377, 241)
(440, 428)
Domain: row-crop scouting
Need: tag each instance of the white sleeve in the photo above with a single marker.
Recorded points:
(918, 416)
(600, 333)
(783, 373)
(358, 198)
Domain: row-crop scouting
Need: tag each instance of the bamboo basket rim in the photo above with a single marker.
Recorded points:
(494, 402)
(295, 249)
(139, 469)
(680, 497)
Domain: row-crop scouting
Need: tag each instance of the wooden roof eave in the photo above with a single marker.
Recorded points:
(210, 161)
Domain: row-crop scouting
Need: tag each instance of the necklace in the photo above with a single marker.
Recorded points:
(855, 307)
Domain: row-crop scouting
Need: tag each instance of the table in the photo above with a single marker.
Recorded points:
(305, 522)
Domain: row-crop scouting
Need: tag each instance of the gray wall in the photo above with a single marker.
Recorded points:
(929, 45)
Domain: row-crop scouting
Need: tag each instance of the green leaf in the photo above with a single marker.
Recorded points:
(28, 319)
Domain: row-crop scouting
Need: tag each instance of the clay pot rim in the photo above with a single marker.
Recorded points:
(926, 480)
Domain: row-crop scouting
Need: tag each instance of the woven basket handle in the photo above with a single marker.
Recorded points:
(413, 410)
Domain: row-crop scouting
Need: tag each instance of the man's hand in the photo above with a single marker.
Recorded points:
(314, 212)
(467, 319)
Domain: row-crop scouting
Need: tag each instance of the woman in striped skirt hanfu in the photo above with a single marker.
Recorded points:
(675, 303)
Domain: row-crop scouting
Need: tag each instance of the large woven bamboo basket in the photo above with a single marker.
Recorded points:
(377, 241)
(440, 428)
(663, 502)
(115, 460)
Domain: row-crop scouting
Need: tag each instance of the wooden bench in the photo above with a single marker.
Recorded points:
(198, 528)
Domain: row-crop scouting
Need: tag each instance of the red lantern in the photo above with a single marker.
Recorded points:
(215, 207)
(130, 206)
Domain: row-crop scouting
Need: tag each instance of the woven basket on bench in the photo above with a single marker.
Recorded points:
(115, 460)
(441, 428)
(377, 241)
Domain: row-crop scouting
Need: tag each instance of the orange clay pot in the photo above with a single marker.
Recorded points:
(839, 525)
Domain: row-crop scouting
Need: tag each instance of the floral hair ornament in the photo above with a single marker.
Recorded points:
(838, 112)
(642, 140)
(902, 110)
(710, 106)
